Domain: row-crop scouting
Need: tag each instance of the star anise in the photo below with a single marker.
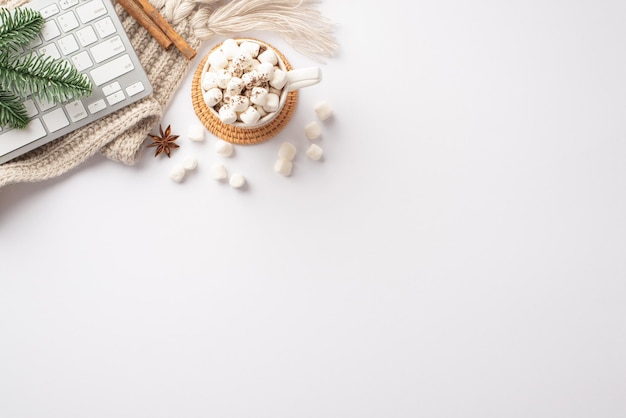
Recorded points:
(165, 142)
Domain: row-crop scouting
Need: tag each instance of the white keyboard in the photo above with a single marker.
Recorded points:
(89, 34)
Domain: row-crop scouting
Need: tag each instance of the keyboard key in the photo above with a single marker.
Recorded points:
(48, 11)
(50, 30)
(44, 104)
(35, 42)
(66, 4)
(116, 98)
(76, 111)
(105, 27)
(111, 88)
(90, 11)
(17, 138)
(82, 61)
(31, 109)
(95, 107)
(112, 70)
(68, 21)
(86, 36)
(55, 120)
(135, 88)
(50, 50)
(107, 49)
(68, 44)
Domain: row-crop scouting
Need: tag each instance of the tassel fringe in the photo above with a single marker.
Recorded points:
(297, 21)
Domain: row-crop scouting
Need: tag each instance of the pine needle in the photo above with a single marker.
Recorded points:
(19, 26)
(55, 81)
(12, 111)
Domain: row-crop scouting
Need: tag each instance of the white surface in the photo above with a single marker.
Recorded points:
(459, 252)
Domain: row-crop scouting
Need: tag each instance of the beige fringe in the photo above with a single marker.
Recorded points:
(297, 21)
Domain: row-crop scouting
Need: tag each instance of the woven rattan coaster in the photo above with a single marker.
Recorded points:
(237, 135)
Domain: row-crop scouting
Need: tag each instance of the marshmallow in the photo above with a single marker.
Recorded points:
(227, 114)
(239, 103)
(196, 133)
(259, 96)
(250, 116)
(222, 78)
(237, 181)
(251, 79)
(212, 97)
(190, 163)
(323, 110)
(265, 72)
(240, 62)
(272, 102)
(283, 166)
(312, 130)
(209, 80)
(218, 172)
(279, 79)
(217, 59)
(314, 152)
(177, 173)
(251, 47)
(223, 148)
(230, 48)
(287, 151)
(235, 86)
(268, 56)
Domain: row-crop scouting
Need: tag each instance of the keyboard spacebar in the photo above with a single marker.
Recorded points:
(112, 69)
(17, 138)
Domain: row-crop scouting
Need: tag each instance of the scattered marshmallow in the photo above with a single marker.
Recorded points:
(314, 152)
(224, 148)
(222, 77)
(218, 172)
(177, 173)
(283, 166)
(323, 110)
(287, 151)
(190, 163)
(313, 130)
(237, 181)
(265, 72)
(196, 133)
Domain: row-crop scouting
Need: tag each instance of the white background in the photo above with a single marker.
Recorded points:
(459, 252)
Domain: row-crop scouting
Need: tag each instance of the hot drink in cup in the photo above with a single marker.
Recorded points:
(245, 82)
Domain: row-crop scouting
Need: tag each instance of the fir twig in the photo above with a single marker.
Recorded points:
(12, 111)
(54, 81)
(19, 26)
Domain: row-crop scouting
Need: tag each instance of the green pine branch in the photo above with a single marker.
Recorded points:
(54, 81)
(44, 77)
(12, 110)
(19, 27)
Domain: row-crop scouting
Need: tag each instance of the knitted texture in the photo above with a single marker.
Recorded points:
(119, 136)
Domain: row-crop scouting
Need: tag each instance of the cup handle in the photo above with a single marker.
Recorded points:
(303, 77)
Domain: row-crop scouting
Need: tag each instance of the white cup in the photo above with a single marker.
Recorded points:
(296, 79)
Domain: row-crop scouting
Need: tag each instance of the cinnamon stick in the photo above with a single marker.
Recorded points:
(156, 17)
(144, 20)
